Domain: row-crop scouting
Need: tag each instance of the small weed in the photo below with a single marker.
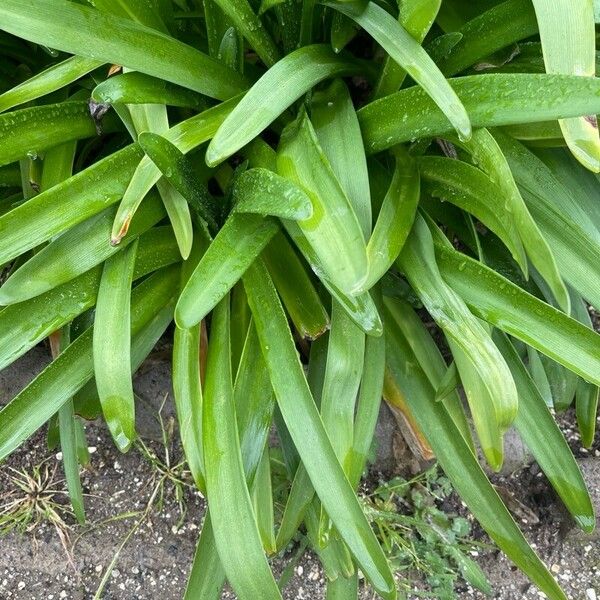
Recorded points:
(32, 499)
(419, 537)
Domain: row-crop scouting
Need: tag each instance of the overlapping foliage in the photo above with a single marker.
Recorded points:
(307, 182)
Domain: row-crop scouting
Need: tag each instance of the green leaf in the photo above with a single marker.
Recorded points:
(334, 119)
(395, 218)
(568, 39)
(409, 54)
(262, 501)
(417, 17)
(112, 346)
(51, 79)
(295, 287)
(429, 357)
(241, 239)
(367, 406)
(233, 521)
(33, 406)
(515, 311)
(90, 33)
(472, 190)
(262, 192)
(25, 324)
(251, 27)
(179, 172)
(488, 156)
(503, 24)
(333, 230)
(186, 136)
(481, 360)
(461, 466)
(283, 84)
(559, 213)
(187, 387)
(345, 356)
(307, 431)
(45, 215)
(30, 131)
(74, 252)
(490, 100)
(138, 88)
(542, 436)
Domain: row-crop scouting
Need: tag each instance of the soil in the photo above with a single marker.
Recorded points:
(156, 560)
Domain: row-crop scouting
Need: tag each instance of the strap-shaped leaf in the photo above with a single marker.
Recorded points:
(178, 171)
(295, 287)
(186, 136)
(25, 324)
(33, 406)
(490, 100)
(409, 54)
(461, 466)
(417, 17)
(283, 84)
(76, 251)
(333, 230)
(101, 36)
(30, 131)
(138, 88)
(112, 346)
(540, 432)
(452, 315)
(488, 156)
(334, 119)
(503, 24)
(515, 311)
(560, 214)
(241, 239)
(233, 521)
(306, 428)
(472, 190)
(89, 192)
(51, 79)
(568, 39)
(251, 27)
(395, 218)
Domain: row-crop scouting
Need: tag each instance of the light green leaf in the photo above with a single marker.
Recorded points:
(409, 54)
(283, 84)
(47, 81)
(25, 324)
(334, 119)
(464, 331)
(74, 252)
(232, 518)
(417, 17)
(307, 431)
(333, 230)
(568, 39)
(84, 31)
(112, 346)
(490, 100)
(395, 218)
(515, 311)
(33, 406)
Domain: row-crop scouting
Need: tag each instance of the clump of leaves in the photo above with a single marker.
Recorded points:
(418, 536)
(287, 183)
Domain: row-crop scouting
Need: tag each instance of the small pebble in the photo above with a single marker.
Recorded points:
(590, 594)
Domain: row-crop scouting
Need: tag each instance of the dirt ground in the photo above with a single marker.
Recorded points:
(155, 561)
